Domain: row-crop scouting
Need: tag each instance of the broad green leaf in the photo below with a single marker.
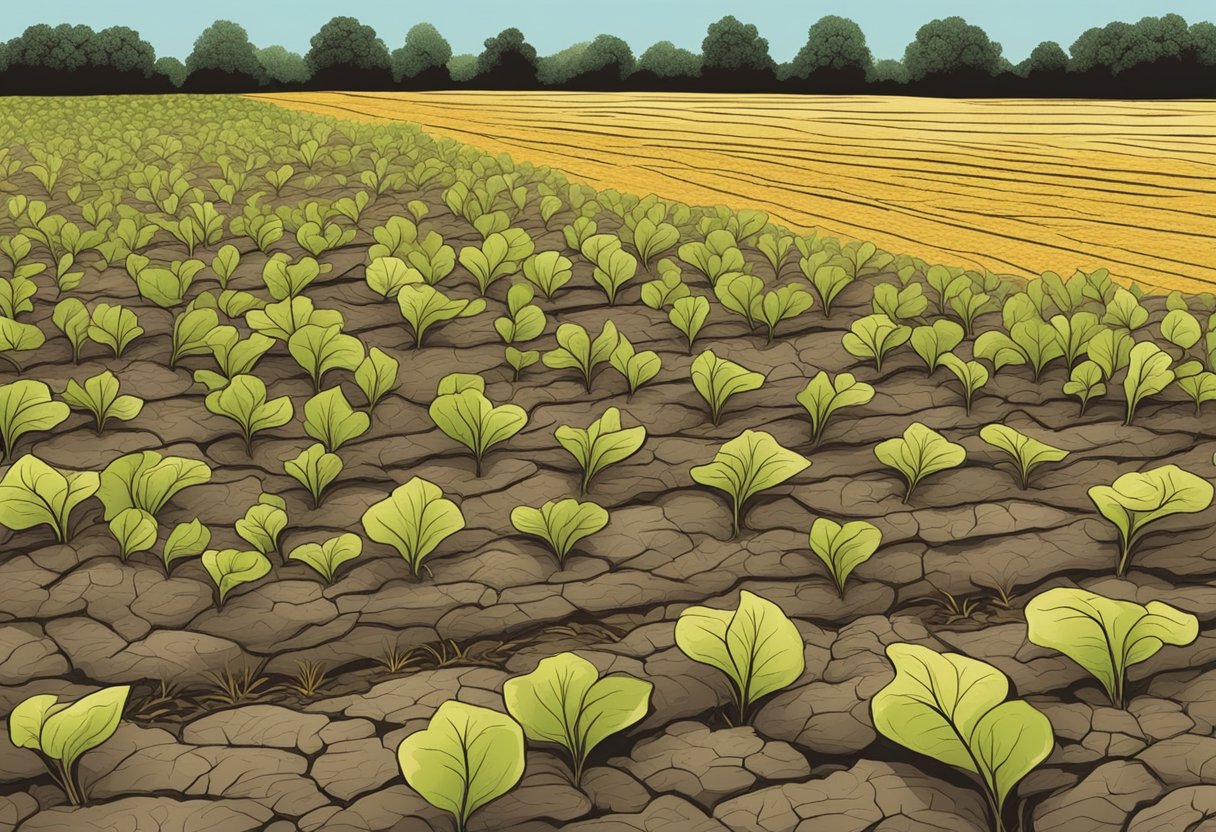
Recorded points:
(229, 568)
(577, 350)
(329, 418)
(1111, 350)
(636, 367)
(281, 320)
(186, 540)
(600, 444)
(424, 306)
(1085, 382)
(717, 379)
(190, 333)
(688, 314)
(473, 421)
(114, 326)
(972, 375)
(326, 557)
(319, 349)
(72, 319)
(99, 397)
(566, 701)
(1027, 453)
(146, 480)
(135, 530)
(874, 336)
(466, 757)
(561, 523)
(756, 645)
(1103, 635)
(1148, 373)
(843, 548)
(1181, 329)
(376, 376)
(244, 401)
(414, 519)
(26, 406)
(65, 731)
(934, 341)
(824, 395)
(315, 469)
(263, 523)
(386, 275)
(921, 451)
(549, 271)
(33, 493)
(746, 465)
(740, 293)
(782, 304)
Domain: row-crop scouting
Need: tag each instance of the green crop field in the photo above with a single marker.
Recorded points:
(356, 479)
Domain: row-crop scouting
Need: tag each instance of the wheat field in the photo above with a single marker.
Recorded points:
(1017, 187)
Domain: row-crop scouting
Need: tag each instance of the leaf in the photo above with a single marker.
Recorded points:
(135, 530)
(824, 395)
(327, 556)
(934, 341)
(921, 451)
(99, 397)
(376, 376)
(329, 418)
(263, 523)
(114, 326)
(717, 379)
(72, 319)
(1103, 635)
(33, 493)
(972, 375)
(244, 402)
(319, 349)
(756, 645)
(64, 731)
(473, 421)
(466, 757)
(1027, 453)
(874, 336)
(315, 469)
(387, 275)
(26, 406)
(229, 568)
(147, 481)
(561, 523)
(600, 444)
(746, 465)
(424, 306)
(952, 708)
(566, 701)
(1148, 373)
(843, 548)
(190, 331)
(186, 540)
(1140, 498)
(636, 367)
(577, 350)
(414, 519)
(689, 315)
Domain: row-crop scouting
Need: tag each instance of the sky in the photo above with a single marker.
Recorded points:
(551, 25)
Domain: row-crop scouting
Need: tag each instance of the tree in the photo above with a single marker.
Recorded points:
(462, 68)
(283, 66)
(666, 60)
(345, 44)
(1048, 56)
(67, 60)
(1203, 42)
(121, 49)
(951, 45)
(731, 46)
(888, 70)
(1120, 46)
(560, 67)
(601, 64)
(833, 43)
(173, 69)
(223, 59)
(424, 52)
(508, 62)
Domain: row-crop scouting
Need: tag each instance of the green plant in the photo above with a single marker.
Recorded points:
(1124, 311)
(147, 481)
(327, 556)
(600, 444)
(561, 523)
(190, 334)
(843, 548)
(1137, 499)
(781, 304)
(719, 254)
(186, 540)
(635, 367)
(740, 293)
(750, 463)
(229, 568)
(470, 418)
(576, 350)
(244, 401)
(319, 349)
(717, 379)
(99, 396)
(1196, 383)
(933, 342)
(953, 709)
(60, 732)
(921, 451)
(652, 238)
(315, 469)
(829, 278)
(329, 418)
(565, 701)
(498, 256)
(72, 319)
(688, 314)
(168, 287)
(523, 322)
(613, 269)
(234, 355)
(972, 375)
(135, 530)
(1031, 341)
(668, 288)
(824, 395)
(414, 519)
(548, 271)
(1085, 383)
(1148, 373)
(387, 275)
(424, 306)
(113, 326)
(1103, 635)
(376, 376)
(1025, 452)
(225, 262)
(756, 645)
(899, 303)
(263, 523)
(281, 320)
(26, 406)
(285, 279)
(466, 757)
(1111, 350)
(33, 493)
(1074, 333)
(874, 336)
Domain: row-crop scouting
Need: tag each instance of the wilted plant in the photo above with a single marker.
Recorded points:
(755, 645)
(60, 732)
(414, 519)
(718, 379)
(565, 701)
(750, 463)
(1106, 636)
(601, 444)
(921, 451)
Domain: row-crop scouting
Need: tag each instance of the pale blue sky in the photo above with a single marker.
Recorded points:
(171, 26)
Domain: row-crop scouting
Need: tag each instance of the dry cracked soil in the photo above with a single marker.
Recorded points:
(493, 603)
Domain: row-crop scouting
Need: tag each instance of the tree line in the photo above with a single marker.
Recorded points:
(1156, 57)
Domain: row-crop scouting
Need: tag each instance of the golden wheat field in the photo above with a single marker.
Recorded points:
(1013, 186)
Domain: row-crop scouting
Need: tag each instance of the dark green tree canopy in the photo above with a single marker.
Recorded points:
(1120, 46)
(463, 68)
(173, 69)
(732, 46)
(950, 45)
(1048, 56)
(1203, 41)
(71, 48)
(889, 69)
(424, 49)
(666, 60)
(834, 43)
(224, 47)
(282, 65)
(345, 42)
(560, 67)
(508, 42)
(606, 52)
